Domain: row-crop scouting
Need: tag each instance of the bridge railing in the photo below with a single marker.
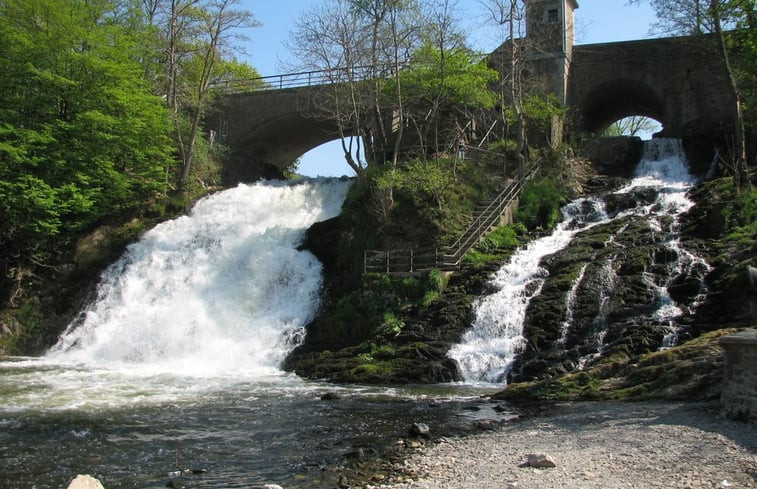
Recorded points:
(297, 80)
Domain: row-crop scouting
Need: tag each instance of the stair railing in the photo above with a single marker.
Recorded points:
(449, 257)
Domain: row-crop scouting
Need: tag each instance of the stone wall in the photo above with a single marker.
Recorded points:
(739, 397)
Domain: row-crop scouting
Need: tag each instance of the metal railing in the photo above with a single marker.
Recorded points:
(449, 257)
(298, 80)
(312, 78)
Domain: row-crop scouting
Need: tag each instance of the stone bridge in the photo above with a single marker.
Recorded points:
(681, 82)
(266, 130)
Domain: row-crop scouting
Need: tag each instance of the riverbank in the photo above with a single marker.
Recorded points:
(594, 445)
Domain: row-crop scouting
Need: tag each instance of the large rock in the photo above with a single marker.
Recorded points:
(85, 482)
(540, 461)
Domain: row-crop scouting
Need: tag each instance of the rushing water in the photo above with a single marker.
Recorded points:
(490, 347)
(222, 290)
(174, 370)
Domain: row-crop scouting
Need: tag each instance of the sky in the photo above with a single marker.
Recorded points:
(266, 47)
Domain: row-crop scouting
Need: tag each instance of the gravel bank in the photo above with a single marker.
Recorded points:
(596, 445)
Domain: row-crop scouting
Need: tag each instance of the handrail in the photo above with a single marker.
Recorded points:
(298, 79)
(489, 216)
(449, 257)
(312, 78)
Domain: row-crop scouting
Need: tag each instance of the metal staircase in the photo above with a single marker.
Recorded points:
(486, 217)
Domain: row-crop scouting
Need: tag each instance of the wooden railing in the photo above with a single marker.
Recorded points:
(449, 257)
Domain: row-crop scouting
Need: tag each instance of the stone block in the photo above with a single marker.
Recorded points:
(739, 396)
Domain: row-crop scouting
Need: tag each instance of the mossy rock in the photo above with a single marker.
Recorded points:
(691, 371)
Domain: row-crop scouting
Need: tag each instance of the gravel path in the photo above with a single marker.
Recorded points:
(596, 445)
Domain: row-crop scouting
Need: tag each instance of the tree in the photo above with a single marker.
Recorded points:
(441, 87)
(361, 45)
(82, 137)
(196, 35)
(632, 126)
(714, 17)
(510, 16)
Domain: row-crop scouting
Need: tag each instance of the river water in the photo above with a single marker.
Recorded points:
(171, 376)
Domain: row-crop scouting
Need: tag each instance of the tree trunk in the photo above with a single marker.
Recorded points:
(740, 174)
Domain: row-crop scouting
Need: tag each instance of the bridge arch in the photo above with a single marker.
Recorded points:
(615, 99)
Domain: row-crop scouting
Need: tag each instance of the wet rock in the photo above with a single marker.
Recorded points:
(615, 203)
(540, 461)
(270, 486)
(84, 481)
(330, 396)
(419, 430)
(357, 454)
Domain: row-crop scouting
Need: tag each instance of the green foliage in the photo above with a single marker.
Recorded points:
(496, 245)
(233, 76)
(459, 77)
(433, 199)
(741, 217)
(436, 280)
(424, 181)
(539, 205)
(391, 325)
(81, 136)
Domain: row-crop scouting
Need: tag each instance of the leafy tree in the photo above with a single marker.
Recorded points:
(194, 36)
(81, 136)
(440, 88)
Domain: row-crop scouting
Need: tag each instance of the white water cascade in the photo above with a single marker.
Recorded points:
(489, 348)
(221, 290)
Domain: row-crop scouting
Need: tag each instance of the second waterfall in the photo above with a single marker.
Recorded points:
(632, 249)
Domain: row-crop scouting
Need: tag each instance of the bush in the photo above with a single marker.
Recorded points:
(540, 204)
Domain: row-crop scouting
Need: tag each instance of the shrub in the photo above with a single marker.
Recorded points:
(540, 204)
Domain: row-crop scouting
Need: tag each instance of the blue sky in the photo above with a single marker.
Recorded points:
(596, 21)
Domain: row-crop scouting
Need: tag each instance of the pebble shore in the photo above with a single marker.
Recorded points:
(594, 445)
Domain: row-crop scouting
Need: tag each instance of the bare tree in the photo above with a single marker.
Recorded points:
(632, 126)
(509, 16)
(361, 45)
(219, 24)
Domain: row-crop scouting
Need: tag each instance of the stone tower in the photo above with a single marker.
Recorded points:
(550, 35)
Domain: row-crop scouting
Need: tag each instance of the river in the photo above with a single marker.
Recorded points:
(171, 375)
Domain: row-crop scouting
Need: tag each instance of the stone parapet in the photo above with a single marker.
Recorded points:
(739, 395)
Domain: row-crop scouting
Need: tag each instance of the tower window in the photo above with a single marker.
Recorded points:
(553, 16)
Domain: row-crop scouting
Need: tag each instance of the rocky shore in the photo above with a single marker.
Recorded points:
(594, 445)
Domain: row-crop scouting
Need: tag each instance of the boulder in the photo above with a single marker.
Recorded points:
(540, 461)
(85, 482)
(419, 429)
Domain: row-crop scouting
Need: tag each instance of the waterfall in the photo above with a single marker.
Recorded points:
(570, 302)
(221, 289)
(489, 348)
